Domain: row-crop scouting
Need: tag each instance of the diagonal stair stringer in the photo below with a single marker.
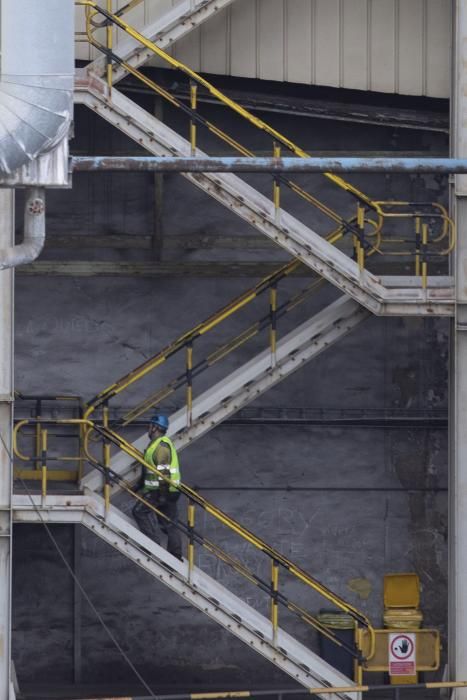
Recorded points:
(247, 383)
(200, 590)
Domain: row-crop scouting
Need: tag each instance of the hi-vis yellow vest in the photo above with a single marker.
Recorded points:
(151, 480)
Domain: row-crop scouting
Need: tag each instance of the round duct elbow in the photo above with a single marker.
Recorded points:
(36, 80)
(33, 119)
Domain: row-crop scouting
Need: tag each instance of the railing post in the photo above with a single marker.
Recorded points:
(276, 188)
(109, 36)
(358, 668)
(361, 226)
(44, 465)
(193, 105)
(424, 255)
(106, 458)
(274, 601)
(189, 384)
(191, 538)
(273, 323)
(38, 435)
(418, 241)
(81, 445)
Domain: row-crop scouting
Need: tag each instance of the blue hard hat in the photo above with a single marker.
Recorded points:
(161, 421)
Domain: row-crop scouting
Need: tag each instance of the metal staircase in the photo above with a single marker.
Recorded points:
(364, 293)
(194, 585)
(407, 296)
(118, 530)
(416, 295)
(247, 383)
(252, 206)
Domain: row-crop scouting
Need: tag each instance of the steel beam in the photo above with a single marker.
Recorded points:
(6, 405)
(457, 650)
(313, 107)
(229, 164)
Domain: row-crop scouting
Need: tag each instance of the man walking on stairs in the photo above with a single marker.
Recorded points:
(162, 455)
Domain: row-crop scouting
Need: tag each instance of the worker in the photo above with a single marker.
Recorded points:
(162, 455)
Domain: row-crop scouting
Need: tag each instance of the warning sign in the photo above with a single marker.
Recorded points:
(402, 654)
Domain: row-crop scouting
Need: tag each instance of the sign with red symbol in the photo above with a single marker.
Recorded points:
(402, 654)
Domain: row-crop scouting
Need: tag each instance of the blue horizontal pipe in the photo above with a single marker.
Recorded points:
(268, 165)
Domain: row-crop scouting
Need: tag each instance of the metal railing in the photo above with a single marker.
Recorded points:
(186, 342)
(41, 459)
(433, 231)
(195, 538)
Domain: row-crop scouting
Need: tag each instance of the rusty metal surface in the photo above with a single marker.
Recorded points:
(266, 165)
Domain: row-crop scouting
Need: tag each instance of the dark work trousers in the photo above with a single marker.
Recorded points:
(148, 520)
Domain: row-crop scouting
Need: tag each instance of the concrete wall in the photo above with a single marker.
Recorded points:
(347, 503)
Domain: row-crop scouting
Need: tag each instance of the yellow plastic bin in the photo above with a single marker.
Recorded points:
(401, 591)
(402, 601)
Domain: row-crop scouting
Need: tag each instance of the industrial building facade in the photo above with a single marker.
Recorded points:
(300, 323)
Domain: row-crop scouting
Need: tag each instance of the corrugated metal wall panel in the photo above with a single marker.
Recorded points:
(327, 39)
(354, 44)
(382, 49)
(438, 47)
(243, 58)
(382, 45)
(215, 49)
(299, 41)
(271, 56)
(410, 70)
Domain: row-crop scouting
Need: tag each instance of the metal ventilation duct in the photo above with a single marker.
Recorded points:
(36, 78)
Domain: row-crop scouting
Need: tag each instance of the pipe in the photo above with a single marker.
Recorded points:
(36, 80)
(324, 690)
(267, 165)
(34, 233)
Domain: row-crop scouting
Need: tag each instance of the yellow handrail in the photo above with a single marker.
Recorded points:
(323, 208)
(119, 13)
(256, 121)
(202, 328)
(381, 208)
(198, 330)
(110, 436)
(218, 354)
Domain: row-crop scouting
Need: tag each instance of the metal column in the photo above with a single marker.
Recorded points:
(458, 375)
(6, 398)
